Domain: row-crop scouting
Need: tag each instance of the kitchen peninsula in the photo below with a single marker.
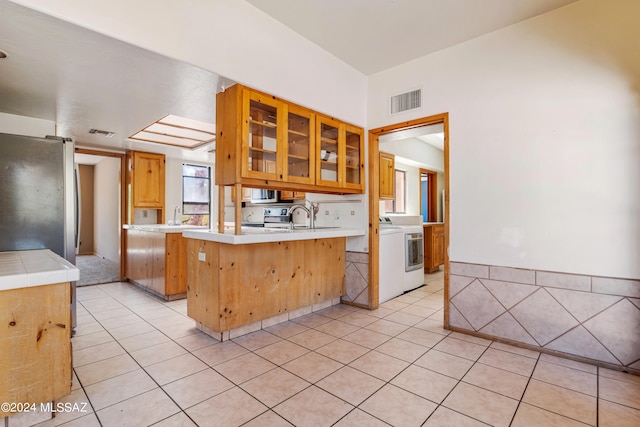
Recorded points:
(156, 259)
(240, 283)
(35, 311)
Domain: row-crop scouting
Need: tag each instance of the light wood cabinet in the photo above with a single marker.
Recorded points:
(246, 194)
(433, 247)
(340, 154)
(157, 262)
(230, 286)
(35, 361)
(387, 176)
(266, 142)
(146, 182)
(292, 195)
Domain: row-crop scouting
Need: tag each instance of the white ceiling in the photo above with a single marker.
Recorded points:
(374, 35)
(82, 80)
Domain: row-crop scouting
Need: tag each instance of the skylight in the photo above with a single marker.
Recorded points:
(177, 131)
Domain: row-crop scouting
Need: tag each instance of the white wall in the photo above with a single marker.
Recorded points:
(29, 126)
(107, 227)
(544, 139)
(413, 149)
(231, 38)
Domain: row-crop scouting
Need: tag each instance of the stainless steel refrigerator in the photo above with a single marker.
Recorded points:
(38, 197)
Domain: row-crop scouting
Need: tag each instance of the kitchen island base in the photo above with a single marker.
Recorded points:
(35, 363)
(266, 323)
(237, 289)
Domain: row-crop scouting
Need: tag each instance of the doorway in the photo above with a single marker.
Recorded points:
(99, 242)
(429, 209)
(434, 187)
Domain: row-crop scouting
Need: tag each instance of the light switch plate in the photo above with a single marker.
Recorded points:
(202, 256)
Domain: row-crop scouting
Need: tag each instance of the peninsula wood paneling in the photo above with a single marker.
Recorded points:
(240, 284)
(157, 262)
(35, 365)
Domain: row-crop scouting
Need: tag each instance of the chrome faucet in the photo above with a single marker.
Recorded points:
(311, 212)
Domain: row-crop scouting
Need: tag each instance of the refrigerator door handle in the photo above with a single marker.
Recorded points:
(78, 204)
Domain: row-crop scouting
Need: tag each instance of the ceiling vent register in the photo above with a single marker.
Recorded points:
(406, 101)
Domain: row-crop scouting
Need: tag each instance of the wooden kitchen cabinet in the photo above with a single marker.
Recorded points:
(246, 194)
(262, 139)
(387, 176)
(433, 247)
(35, 361)
(340, 154)
(267, 142)
(292, 195)
(231, 286)
(146, 182)
(156, 261)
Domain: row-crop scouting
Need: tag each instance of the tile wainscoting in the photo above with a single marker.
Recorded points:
(357, 278)
(586, 316)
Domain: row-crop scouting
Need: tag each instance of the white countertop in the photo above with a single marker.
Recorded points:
(265, 235)
(21, 269)
(163, 228)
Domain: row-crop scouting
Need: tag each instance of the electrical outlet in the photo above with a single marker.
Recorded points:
(326, 212)
(353, 213)
(202, 256)
(145, 213)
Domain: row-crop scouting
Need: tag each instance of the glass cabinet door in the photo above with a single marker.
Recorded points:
(299, 167)
(262, 137)
(354, 157)
(328, 151)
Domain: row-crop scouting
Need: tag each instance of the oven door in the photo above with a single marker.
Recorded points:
(413, 251)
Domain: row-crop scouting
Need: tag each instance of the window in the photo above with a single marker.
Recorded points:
(196, 194)
(397, 205)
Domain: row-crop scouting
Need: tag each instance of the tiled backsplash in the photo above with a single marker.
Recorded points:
(587, 316)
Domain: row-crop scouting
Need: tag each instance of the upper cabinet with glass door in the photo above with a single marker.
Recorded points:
(354, 157)
(340, 151)
(266, 142)
(300, 154)
(260, 137)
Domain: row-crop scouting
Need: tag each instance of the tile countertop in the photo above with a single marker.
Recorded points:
(163, 228)
(21, 269)
(264, 235)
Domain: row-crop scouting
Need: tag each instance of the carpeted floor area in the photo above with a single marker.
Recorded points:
(95, 269)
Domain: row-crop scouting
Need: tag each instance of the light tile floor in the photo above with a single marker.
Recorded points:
(140, 361)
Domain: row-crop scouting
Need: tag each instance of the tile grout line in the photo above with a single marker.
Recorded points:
(118, 298)
(136, 361)
(310, 350)
(524, 391)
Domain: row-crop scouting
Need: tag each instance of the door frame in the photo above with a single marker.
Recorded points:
(432, 212)
(123, 188)
(374, 205)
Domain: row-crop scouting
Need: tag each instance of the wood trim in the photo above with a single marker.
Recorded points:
(374, 170)
(432, 215)
(123, 198)
(221, 191)
(374, 224)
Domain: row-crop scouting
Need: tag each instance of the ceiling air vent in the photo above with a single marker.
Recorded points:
(106, 133)
(406, 101)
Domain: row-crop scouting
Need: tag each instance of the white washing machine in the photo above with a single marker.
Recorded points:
(401, 263)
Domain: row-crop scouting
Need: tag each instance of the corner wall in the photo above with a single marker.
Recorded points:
(544, 169)
(107, 227)
(544, 139)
